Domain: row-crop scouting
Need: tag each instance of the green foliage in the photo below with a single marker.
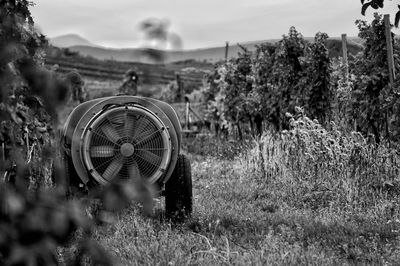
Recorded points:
(265, 84)
(364, 100)
(376, 4)
(35, 216)
(241, 102)
(372, 98)
(287, 73)
(255, 90)
(32, 222)
(25, 126)
(342, 105)
(169, 93)
(32, 226)
(214, 98)
(320, 92)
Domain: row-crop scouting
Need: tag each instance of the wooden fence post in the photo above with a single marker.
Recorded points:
(345, 58)
(390, 59)
(187, 113)
(226, 51)
(389, 47)
(180, 88)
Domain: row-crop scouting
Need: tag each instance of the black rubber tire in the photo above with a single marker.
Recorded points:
(71, 178)
(178, 191)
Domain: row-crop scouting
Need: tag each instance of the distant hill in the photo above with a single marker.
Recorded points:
(69, 40)
(212, 55)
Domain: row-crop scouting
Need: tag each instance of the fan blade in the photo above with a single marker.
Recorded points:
(142, 125)
(110, 132)
(133, 171)
(129, 126)
(149, 157)
(114, 168)
(101, 151)
(146, 135)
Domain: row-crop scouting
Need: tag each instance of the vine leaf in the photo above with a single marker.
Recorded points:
(364, 8)
(374, 4)
(397, 18)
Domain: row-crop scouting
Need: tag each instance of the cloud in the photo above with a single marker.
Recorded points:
(157, 35)
(198, 22)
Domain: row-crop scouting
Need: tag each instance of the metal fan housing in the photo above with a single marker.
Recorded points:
(122, 137)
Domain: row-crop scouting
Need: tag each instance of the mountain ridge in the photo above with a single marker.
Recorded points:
(70, 39)
(209, 54)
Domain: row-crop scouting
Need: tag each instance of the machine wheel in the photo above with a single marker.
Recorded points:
(71, 181)
(178, 191)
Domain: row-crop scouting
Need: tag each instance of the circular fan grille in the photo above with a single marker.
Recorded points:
(126, 143)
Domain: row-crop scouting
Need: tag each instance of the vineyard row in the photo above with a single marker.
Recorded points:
(148, 74)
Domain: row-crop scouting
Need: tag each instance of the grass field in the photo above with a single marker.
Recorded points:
(249, 214)
(308, 196)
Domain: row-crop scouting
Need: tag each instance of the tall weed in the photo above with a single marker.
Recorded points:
(320, 167)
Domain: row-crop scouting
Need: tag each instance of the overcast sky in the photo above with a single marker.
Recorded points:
(199, 23)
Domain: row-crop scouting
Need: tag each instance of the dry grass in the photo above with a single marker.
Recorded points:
(307, 196)
(290, 211)
(103, 88)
